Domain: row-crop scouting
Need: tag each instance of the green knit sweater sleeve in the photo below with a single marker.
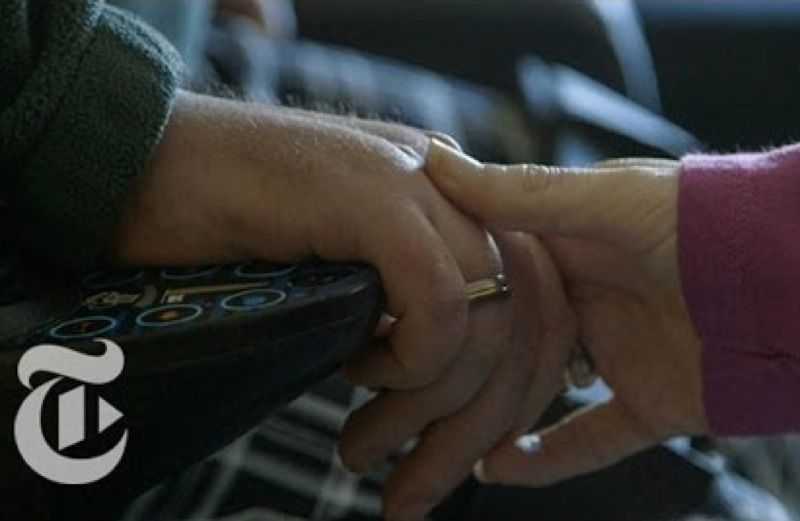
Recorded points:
(85, 93)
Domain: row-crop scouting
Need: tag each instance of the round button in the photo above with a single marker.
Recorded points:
(169, 315)
(321, 277)
(188, 273)
(83, 327)
(262, 270)
(112, 278)
(254, 299)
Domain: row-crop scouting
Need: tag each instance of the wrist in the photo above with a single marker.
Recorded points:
(169, 217)
(222, 185)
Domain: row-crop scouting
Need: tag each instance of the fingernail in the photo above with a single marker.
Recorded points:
(479, 471)
(529, 444)
(446, 163)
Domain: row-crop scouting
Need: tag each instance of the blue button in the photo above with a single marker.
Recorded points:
(84, 327)
(254, 299)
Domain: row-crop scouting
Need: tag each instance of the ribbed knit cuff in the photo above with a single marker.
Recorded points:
(739, 255)
(67, 199)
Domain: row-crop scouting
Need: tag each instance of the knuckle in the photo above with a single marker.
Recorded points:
(534, 178)
(445, 308)
(410, 248)
(435, 324)
(353, 455)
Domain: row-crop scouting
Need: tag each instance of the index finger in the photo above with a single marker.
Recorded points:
(606, 204)
(451, 446)
(425, 292)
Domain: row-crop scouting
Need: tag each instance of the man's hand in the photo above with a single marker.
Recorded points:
(232, 180)
(612, 232)
(492, 392)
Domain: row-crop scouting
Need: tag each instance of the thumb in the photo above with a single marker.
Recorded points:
(613, 205)
(588, 440)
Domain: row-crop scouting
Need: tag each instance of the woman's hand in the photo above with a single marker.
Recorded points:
(612, 231)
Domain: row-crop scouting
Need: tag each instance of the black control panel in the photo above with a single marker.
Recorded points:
(209, 351)
(125, 303)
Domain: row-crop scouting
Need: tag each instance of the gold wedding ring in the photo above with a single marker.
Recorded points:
(488, 288)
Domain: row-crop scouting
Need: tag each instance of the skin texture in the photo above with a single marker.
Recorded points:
(233, 181)
(612, 232)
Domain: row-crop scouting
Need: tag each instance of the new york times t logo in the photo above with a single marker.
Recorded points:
(31, 442)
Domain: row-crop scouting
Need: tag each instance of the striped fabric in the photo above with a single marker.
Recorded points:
(284, 469)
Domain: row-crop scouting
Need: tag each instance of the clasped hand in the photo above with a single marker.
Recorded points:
(591, 255)
(602, 272)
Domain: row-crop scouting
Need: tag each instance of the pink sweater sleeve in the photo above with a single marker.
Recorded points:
(739, 256)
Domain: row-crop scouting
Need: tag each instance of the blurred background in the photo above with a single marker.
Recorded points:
(726, 71)
(564, 82)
